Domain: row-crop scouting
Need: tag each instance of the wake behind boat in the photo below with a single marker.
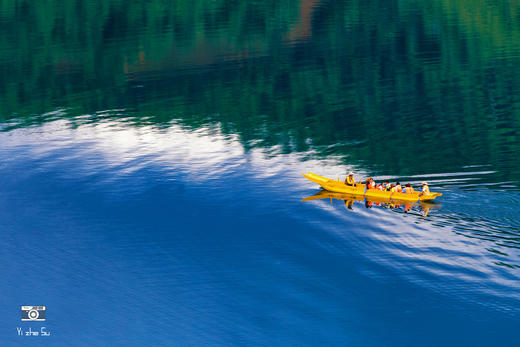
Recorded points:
(359, 189)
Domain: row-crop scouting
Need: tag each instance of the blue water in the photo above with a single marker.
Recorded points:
(142, 235)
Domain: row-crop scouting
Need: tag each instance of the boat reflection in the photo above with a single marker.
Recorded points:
(423, 207)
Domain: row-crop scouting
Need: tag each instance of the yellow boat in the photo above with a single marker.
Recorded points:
(359, 190)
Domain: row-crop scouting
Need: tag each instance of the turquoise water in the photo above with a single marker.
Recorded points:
(151, 158)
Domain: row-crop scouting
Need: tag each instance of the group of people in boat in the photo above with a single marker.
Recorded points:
(386, 186)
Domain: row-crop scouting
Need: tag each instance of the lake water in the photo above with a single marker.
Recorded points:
(151, 156)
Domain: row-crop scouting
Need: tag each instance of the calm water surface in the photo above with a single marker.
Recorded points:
(151, 157)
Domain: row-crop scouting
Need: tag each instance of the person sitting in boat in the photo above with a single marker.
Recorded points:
(398, 187)
(386, 186)
(425, 189)
(408, 189)
(370, 184)
(391, 188)
(349, 181)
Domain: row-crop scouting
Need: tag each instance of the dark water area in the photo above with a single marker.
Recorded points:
(151, 156)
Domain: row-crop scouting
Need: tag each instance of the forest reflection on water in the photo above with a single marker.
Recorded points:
(436, 87)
